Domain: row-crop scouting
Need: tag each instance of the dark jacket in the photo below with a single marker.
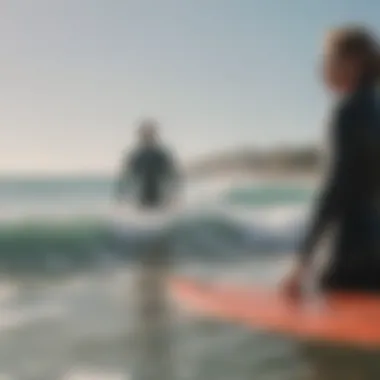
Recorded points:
(150, 169)
(350, 197)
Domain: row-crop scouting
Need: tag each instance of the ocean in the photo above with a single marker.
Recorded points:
(69, 262)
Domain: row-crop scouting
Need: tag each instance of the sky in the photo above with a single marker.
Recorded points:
(77, 75)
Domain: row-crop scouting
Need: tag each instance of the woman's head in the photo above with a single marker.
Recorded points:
(351, 56)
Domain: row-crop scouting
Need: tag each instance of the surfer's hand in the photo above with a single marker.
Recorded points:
(292, 285)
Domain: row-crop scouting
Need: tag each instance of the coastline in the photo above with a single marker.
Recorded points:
(267, 176)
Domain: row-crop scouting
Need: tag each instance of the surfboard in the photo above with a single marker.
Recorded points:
(336, 318)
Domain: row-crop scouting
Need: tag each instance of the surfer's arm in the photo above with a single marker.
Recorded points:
(337, 190)
(172, 171)
(126, 173)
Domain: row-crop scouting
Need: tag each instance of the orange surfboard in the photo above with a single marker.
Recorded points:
(340, 318)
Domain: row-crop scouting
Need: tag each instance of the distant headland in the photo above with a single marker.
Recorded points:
(306, 160)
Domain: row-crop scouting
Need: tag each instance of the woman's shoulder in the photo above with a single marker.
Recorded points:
(360, 100)
(348, 109)
(342, 119)
(342, 110)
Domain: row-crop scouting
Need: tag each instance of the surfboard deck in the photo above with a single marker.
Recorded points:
(341, 318)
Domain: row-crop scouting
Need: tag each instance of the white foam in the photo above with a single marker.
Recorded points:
(93, 374)
(7, 292)
(15, 318)
(271, 219)
(6, 377)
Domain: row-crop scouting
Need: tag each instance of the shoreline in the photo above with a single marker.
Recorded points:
(265, 176)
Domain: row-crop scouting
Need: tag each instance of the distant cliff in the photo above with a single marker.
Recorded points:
(296, 160)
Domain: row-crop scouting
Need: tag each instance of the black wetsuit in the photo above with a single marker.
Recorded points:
(151, 167)
(350, 199)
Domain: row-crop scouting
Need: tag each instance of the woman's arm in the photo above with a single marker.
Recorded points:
(337, 190)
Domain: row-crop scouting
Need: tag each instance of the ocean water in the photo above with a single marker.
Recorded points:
(70, 285)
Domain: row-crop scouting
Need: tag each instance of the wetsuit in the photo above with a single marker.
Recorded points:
(151, 168)
(350, 198)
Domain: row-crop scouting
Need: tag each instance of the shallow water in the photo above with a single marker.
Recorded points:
(70, 289)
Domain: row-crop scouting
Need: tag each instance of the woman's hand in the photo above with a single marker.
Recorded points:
(292, 284)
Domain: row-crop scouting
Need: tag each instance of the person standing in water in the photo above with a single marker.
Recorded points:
(151, 168)
(152, 171)
(350, 197)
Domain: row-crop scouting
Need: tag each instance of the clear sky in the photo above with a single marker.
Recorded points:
(77, 74)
